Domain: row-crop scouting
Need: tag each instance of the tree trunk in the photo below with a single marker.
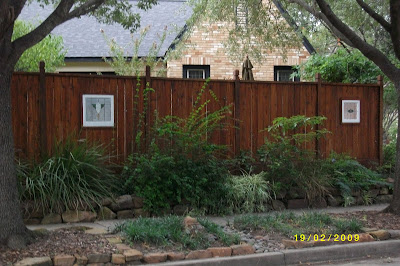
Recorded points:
(394, 206)
(11, 223)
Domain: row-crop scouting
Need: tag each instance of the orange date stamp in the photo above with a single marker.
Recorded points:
(330, 237)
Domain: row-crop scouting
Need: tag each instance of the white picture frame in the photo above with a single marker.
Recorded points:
(351, 110)
(97, 110)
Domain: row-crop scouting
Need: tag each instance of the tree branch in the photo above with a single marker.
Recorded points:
(86, 8)
(323, 18)
(9, 11)
(372, 53)
(395, 28)
(381, 20)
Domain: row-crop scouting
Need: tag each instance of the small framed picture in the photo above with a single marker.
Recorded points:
(98, 110)
(351, 111)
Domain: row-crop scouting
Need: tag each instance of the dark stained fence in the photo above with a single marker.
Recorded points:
(43, 115)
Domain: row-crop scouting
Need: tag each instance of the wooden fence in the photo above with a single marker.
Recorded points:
(49, 106)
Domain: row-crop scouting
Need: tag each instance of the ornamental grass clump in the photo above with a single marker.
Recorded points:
(77, 174)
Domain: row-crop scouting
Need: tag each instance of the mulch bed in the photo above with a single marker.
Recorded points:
(374, 219)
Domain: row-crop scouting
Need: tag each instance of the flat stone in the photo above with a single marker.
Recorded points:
(133, 255)
(296, 244)
(72, 216)
(118, 259)
(363, 237)
(297, 204)
(122, 247)
(63, 260)
(52, 218)
(335, 201)
(137, 202)
(373, 193)
(115, 240)
(122, 203)
(221, 251)
(278, 205)
(96, 231)
(174, 256)
(380, 234)
(39, 261)
(384, 199)
(384, 191)
(81, 260)
(319, 203)
(98, 258)
(127, 214)
(242, 249)
(106, 214)
(141, 213)
(154, 258)
(106, 202)
(199, 254)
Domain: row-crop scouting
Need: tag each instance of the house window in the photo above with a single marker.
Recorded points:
(196, 71)
(283, 73)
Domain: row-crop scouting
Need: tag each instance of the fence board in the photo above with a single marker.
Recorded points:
(258, 105)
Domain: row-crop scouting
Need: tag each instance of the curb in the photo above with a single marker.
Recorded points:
(309, 255)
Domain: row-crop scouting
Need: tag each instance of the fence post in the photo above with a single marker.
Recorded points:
(380, 141)
(237, 112)
(318, 80)
(148, 107)
(42, 106)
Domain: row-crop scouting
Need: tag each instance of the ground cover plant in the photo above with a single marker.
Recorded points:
(289, 224)
(76, 174)
(170, 231)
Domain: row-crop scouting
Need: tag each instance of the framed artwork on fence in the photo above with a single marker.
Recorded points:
(98, 110)
(351, 111)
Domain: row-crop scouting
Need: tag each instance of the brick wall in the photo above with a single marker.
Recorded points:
(205, 48)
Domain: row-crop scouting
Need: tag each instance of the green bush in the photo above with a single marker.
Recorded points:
(77, 174)
(286, 161)
(247, 193)
(389, 158)
(181, 163)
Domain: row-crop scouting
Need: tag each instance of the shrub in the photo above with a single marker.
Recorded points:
(286, 160)
(181, 163)
(77, 174)
(247, 193)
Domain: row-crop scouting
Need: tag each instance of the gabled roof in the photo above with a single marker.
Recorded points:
(170, 13)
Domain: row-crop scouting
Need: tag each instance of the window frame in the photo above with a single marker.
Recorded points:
(277, 69)
(204, 68)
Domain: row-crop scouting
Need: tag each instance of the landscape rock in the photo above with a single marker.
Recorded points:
(380, 234)
(63, 260)
(137, 202)
(297, 204)
(122, 203)
(96, 231)
(296, 193)
(98, 258)
(278, 205)
(80, 260)
(122, 247)
(106, 214)
(363, 237)
(114, 240)
(39, 261)
(335, 201)
(383, 198)
(118, 259)
(174, 256)
(242, 249)
(52, 218)
(373, 193)
(221, 251)
(192, 226)
(384, 191)
(199, 254)
(106, 202)
(132, 255)
(71, 216)
(141, 213)
(394, 234)
(127, 214)
(154, 257)
(319, 202)
(181, 209)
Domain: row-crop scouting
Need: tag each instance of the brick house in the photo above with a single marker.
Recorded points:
(87, 48)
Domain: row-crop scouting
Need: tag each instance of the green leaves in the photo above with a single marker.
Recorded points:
(50, 50)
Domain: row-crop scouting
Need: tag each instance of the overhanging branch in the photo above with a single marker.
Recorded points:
(381, 20)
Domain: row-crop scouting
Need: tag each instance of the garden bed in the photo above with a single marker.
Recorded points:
(173, 238)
